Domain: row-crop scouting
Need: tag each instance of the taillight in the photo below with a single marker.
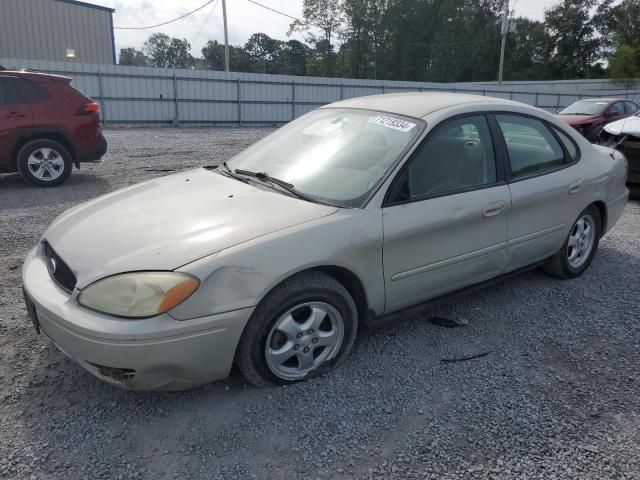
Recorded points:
(88, 108)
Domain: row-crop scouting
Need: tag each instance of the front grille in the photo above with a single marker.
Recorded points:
(59, 271)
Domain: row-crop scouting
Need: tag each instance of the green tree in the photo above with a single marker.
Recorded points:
(166, 52)
(328, 17)
(132, 57)
(319, 58)
(573, 33)
(213, 57)
(624, 67)
(263, 52)
(528, 50)
(293, 58)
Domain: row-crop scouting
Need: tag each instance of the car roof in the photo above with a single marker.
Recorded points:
(604, 99)
(33, 74)
(416, 104)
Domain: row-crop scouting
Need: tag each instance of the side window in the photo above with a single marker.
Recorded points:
(630, 107)
(31, 92)
(617, 108)
(8, 92)
(569, 145)
(457, 156)
(531, 146)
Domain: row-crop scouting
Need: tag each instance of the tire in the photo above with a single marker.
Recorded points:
(568, 263)
(301, 301)
(44, 163)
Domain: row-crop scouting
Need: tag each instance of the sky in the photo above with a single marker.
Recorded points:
(244, 18)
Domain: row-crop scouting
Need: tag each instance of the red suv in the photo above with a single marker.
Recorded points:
(46, 127)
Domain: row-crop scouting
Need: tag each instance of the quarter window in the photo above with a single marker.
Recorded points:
(459, 155)
(531, 146)
(31, 93)
(9, 92)
(568, 143)
(630, 107)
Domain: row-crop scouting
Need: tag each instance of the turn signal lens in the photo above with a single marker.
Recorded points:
(139, 294)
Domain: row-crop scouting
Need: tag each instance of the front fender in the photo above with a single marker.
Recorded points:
(241, 276)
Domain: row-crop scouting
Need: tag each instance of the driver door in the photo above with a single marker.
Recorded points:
(445, 223)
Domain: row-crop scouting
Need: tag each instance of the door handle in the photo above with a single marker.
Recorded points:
(493, 209)
(575, 187)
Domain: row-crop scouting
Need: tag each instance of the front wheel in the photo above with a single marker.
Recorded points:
(579, 247)
(305, 327)
(44, 163)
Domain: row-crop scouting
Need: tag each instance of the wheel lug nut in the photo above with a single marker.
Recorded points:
(310, 331)
(306, 350)
(315, 340)
(296, 347)
(299, 335)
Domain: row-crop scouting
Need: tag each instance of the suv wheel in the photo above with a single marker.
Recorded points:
(44, 163)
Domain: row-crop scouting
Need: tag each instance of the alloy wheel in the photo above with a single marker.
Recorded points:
(303, 338)
(581, 240)
(45, 164)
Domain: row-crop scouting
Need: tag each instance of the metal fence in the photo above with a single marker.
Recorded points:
(144, 95)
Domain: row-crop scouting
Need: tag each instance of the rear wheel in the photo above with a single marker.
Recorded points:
(305, 327)
(579, 247)
(44, 163)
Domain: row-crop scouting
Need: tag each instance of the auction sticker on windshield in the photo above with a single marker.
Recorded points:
(390, 122)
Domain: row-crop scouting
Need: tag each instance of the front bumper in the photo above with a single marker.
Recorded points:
(158, 353)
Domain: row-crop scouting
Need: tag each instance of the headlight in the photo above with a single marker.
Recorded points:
(138, 294)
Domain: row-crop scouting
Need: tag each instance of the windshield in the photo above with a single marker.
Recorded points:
(585, 107)
(336, 156)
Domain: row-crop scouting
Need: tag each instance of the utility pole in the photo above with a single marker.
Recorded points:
(504, 30)
(226, 36)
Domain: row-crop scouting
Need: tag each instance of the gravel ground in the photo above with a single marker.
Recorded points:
(557, 397)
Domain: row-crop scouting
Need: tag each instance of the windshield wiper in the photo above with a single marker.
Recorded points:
(226, 170)
(265, 177)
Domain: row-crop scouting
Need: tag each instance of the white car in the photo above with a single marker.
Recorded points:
(357, 210)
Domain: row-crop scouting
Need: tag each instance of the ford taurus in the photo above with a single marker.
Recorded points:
(355, 211)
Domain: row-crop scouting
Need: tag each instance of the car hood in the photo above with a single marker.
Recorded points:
(626, 126)
(577, 119)
(168, 222)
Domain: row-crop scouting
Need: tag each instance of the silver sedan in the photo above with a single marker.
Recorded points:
(355, 211)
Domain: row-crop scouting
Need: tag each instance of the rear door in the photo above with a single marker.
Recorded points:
(15, 119)
(445, 218)
(545, 183)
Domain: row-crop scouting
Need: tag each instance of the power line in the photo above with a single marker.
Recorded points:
(274, 10)
(205, 22)
(284, 14)
(167, 22)
(486, 34)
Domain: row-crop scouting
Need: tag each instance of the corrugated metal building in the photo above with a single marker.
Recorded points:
(59, 30)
